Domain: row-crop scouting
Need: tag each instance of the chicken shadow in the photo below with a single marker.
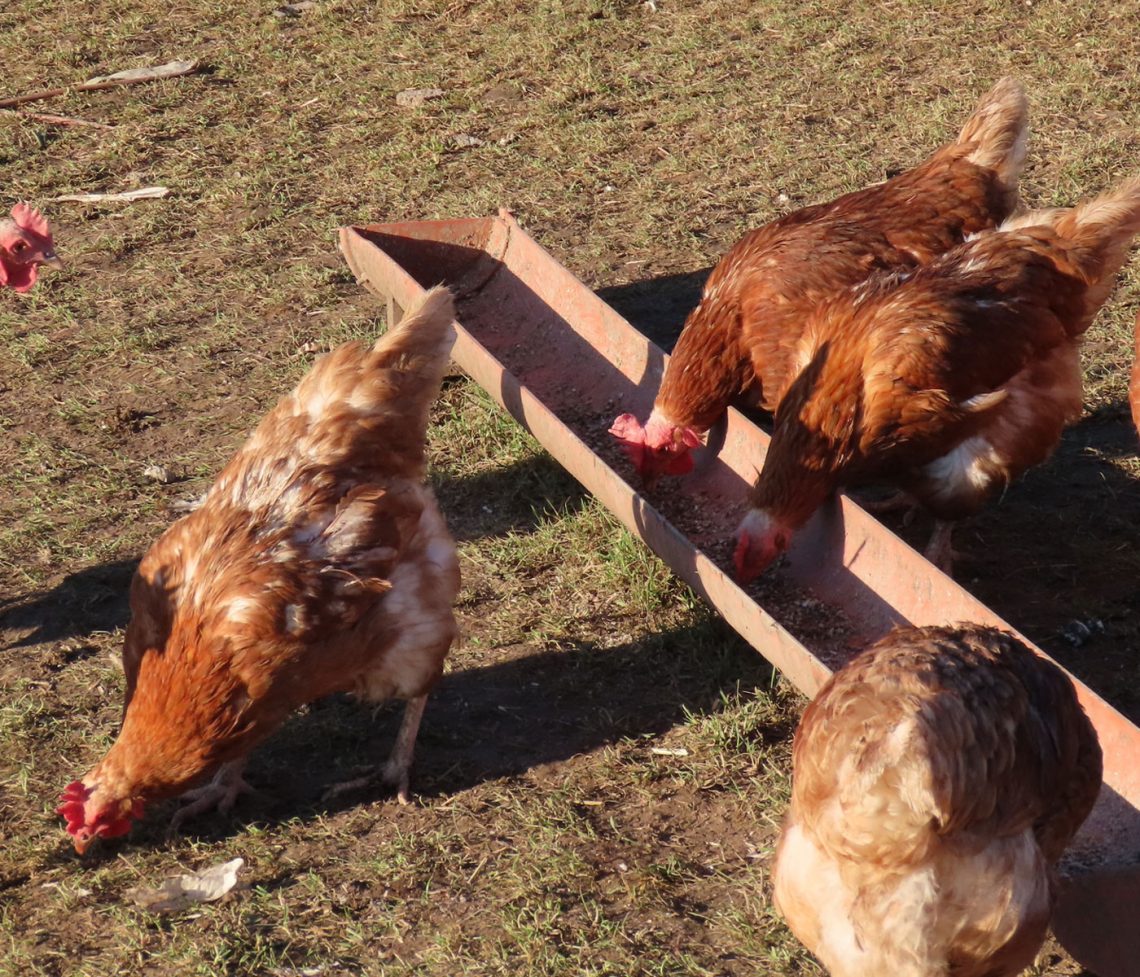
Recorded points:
(93, 599)
(495, 721)
(512, 498)
(1058, 556)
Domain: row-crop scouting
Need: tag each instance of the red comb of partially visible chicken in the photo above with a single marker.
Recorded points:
(317, 563)
(949, 381)
(937, 779)
(741, 338)
(25, 244)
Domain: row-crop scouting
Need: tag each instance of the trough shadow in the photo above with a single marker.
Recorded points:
(657, 307)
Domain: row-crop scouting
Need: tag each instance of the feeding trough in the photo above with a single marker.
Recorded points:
(564, 363)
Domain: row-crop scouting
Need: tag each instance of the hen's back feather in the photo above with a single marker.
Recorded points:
(1091, 239)
(940, 731)
(904, 367)
(245, 608)
(742, 333)
(359, 409)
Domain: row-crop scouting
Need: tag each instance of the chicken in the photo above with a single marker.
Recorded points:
(948, 381)
(319, 562)
(1134, 388)
(937, 778)
(25, 244)
(741, 337)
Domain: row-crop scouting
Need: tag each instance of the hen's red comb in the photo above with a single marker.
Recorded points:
(73, 797)
(628, 428)
(630, 435)
(31, 219)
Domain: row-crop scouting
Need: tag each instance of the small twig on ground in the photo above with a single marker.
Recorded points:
(60, 120)
(173, 69)
(127, 196)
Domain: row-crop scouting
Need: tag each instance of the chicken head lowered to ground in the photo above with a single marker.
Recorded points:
(317, 563)
(741, 337)
(937, 779)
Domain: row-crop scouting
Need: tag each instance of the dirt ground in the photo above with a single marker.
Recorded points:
(603, 770)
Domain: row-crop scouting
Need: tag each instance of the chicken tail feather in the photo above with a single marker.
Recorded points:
(419, 344)
(403, 373)
(1103, 228)
(999, 130)
(370, 406)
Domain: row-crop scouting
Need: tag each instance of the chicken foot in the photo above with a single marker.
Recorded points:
(940, 550)
(896, 501)
(220, 793)
(396, 772)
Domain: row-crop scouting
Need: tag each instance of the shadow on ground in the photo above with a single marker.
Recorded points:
(509, 499)
(517, 717)
(657, 307)
(94, 599)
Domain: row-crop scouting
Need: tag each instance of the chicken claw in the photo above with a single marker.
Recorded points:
(940, 550)
(220, 794)
(397, 771)
(895, 502)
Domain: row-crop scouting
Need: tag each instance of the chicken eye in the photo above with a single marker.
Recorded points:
(19, 246)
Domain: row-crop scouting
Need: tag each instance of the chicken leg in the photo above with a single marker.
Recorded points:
(397, 770)
(940, 549)
(895, 502)
(220, 793)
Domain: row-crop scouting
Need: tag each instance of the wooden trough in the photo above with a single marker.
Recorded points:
(563, 363)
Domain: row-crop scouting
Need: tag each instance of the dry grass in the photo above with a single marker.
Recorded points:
(548, 838)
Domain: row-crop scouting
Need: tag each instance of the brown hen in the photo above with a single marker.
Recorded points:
(741, 337)
(937, 779)
(317, 563)
(949, 380)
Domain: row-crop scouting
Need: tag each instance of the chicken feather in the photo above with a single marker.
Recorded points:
(949, 380)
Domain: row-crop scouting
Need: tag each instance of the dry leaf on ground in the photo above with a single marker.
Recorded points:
(183, 891)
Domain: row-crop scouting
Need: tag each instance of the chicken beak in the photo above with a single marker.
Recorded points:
(81, 845)
(51, 260)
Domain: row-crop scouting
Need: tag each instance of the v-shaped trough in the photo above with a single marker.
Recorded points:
(564, 364)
